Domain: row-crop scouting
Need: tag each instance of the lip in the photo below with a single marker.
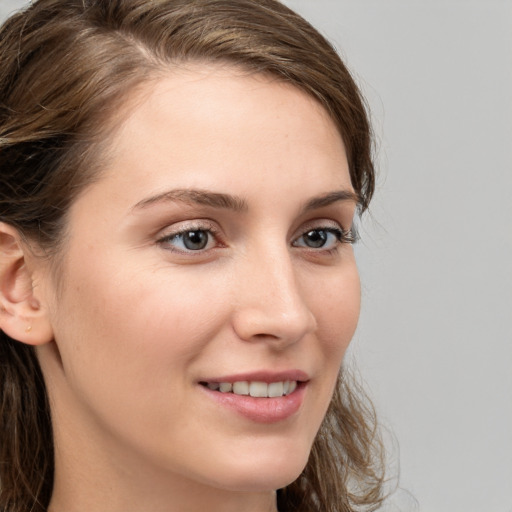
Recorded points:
(260, 410)
(262, 376)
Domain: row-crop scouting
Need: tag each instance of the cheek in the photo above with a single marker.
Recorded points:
(334, 297)
(337, 307)
(133, 320)
(127, 336)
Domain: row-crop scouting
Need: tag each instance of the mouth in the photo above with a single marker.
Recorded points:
(261, 397)
(255, 389)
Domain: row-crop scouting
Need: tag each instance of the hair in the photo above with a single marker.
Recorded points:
(66, 67)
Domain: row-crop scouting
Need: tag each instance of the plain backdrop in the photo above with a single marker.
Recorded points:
(435, 337)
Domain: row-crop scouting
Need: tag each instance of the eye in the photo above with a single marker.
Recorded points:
(318, 239)
(325, 238)
(189, 240)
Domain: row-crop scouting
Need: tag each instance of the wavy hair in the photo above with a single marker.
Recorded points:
(66, 67)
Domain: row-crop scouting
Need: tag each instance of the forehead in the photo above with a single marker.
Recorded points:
(226, 113)
(222, 129)
(207, 92)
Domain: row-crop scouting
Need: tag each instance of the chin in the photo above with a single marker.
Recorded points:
(259, 480)
(263, 472)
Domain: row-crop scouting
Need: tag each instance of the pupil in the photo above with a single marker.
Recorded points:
(316, 238)
(195, 240)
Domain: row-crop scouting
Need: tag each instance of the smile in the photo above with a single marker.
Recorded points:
(255, 389)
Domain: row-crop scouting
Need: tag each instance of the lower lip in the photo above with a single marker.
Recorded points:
(261, 410)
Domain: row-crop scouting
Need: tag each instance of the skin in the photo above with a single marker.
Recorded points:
(137, 320)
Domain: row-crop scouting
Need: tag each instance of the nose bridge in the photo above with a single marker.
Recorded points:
(271, 303)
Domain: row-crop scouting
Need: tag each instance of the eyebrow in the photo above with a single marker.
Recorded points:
(332, 197)
(237, 204)
(201, 197)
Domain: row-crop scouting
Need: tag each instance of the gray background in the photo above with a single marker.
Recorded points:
(435, 338)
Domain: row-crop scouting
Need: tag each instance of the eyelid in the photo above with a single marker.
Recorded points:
(166, 235)
(349, 235)
(186, 226)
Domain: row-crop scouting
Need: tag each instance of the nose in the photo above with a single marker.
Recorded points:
(270, 304)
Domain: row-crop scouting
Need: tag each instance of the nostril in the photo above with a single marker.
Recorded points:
(263, 336)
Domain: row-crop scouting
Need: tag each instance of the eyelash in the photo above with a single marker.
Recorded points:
(342, 237)
(203, 228)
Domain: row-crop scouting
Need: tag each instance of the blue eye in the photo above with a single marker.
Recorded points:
(190, 240)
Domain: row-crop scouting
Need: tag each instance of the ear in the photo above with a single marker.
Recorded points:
(22, 314)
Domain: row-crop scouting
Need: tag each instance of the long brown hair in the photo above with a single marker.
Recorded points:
(66, 66)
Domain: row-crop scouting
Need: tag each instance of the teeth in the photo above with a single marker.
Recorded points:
(225, 387)
(258, 389)
(275, 389)
(255, 388)
(241, 388)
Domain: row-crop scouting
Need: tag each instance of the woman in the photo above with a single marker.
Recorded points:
(178, 288)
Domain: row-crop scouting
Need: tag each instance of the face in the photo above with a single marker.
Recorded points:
(211, 262)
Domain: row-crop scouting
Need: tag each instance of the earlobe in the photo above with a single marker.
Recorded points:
(22, 315)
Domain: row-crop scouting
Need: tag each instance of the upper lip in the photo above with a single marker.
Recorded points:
(262, 376)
